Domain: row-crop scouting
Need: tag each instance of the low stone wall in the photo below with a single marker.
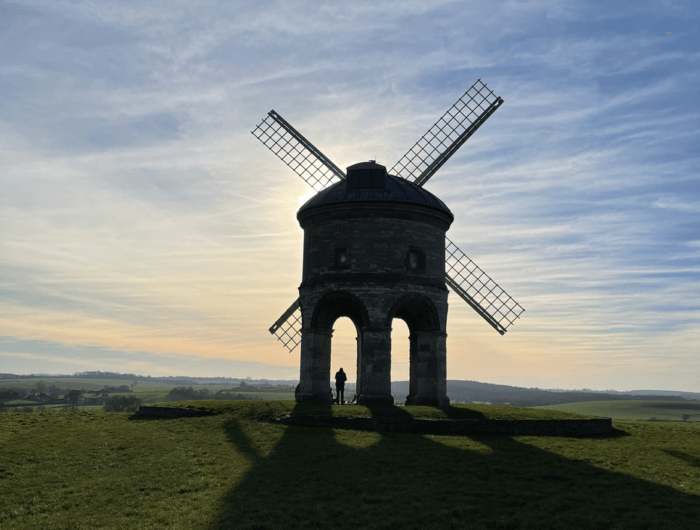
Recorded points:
(169, 412)
(454, 426)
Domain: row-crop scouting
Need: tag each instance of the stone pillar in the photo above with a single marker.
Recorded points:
(412, 370)
(314, 378)
(430, 361)
(441, 368)
(375, 366)
(358, 380)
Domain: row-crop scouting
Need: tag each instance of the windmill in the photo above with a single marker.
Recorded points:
(417, 166)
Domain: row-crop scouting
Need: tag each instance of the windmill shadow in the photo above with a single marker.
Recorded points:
(689, 459)
(461, 413)
(454, 413)
(321, 478)
(388, 411)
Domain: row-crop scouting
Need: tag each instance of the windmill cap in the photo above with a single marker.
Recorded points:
(370, 182)
(366, 165)
(366, 176)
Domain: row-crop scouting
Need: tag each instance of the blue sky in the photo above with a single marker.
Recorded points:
(144, 229)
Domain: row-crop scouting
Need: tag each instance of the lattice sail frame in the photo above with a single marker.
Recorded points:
(287, 329)
(297, 152)
(421, 162)
(447, 134)
(477, 288)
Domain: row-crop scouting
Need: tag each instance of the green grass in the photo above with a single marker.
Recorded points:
(632, 410)
(96, 470)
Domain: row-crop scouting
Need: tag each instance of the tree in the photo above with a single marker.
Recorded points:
(73, 397)
(40, 387)
(229, 394)
(122, 404)
(181, 393)
(685, 417)
(8, 395)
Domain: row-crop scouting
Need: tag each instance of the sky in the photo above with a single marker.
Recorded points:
(143, 229)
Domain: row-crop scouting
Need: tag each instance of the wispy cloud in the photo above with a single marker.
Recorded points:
(139, 215)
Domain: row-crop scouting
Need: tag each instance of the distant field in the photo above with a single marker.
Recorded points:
(632, 410)
(87, 470)
(148, 392)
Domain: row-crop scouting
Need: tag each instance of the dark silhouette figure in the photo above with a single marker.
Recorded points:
(340, 379)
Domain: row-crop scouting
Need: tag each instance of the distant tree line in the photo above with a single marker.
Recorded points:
(473, 391)
(122, 404)
(182, 393)
(186, 381)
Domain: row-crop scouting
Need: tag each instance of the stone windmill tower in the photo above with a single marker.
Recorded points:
(375, 249)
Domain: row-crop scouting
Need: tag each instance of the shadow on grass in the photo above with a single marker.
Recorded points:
(690, 459)
(321, 478)
(136, 417)
(388, 411)
(461, 413)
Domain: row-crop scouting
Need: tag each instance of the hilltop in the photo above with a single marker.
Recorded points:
(235, 469)
(458, 391)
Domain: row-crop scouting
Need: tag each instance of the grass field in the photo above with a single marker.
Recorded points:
(633, 410)
(111, 470)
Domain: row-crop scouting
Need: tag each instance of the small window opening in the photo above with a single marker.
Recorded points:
(415, 260)
(340, 257)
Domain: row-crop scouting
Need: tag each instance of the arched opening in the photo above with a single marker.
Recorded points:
(400, 360)
(344, 353)
(427, 369)
(335, 331)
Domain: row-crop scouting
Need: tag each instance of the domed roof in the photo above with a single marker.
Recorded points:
(369, 182)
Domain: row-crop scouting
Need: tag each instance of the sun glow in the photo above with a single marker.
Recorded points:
(307, 196)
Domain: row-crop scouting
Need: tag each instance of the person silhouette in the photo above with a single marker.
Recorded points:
(340, 379)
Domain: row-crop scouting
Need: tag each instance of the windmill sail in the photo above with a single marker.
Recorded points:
(297, 152)
(287, 329)
(476, 288)
(421, 162)
(447, 135)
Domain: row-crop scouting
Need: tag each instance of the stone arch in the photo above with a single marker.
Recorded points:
(418, 311)
(316, 342)
(338, 304)
(427, 356)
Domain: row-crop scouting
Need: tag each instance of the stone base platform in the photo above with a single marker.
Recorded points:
(147, 411)
(581, 427)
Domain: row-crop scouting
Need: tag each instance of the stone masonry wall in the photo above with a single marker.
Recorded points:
(373, 262)
(375, 245)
